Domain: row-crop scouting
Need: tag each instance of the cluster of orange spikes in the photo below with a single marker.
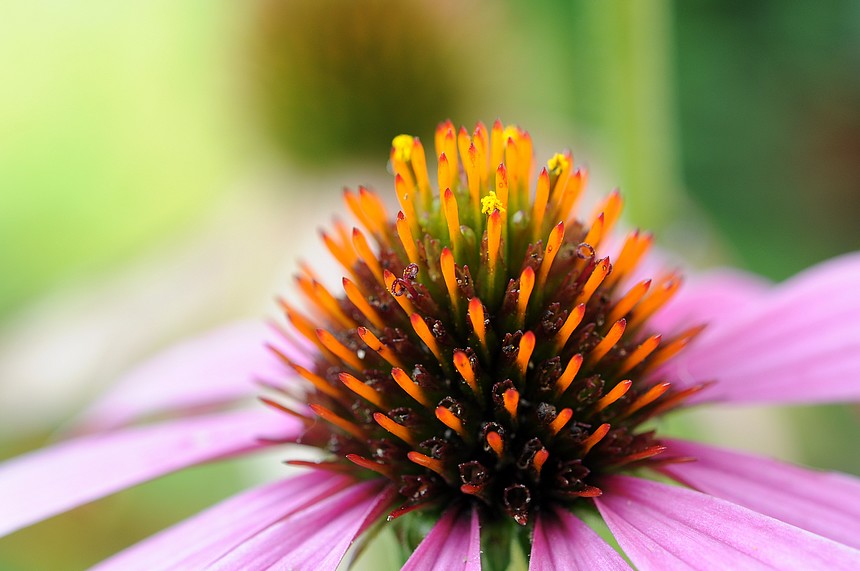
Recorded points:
(481, 348)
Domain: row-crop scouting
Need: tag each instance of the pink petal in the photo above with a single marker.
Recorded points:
(707, 297)
(667, 527)
(801, 343)
(213, 369)
(202, 539)
(563, 541)
(453, 544)
(825, 503)
(315, 538)
(55, 479)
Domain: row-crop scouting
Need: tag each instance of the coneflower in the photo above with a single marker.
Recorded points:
(485, 352)
(488, 373)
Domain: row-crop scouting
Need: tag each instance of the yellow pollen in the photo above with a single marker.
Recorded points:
(511, 132)
(402, 146)
(557, 164)
(490, 203)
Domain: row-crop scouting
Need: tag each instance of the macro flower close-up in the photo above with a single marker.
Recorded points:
(486, 375)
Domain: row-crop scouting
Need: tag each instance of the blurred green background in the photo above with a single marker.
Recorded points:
(155, 158)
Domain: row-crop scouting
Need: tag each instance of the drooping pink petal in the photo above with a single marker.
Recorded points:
(453, 544)
(800, 343)
(825, 503)
(706, 297)
(58, 478)
(668, 527)
(563, 541)
(213, 369)
(202, 539)
(315, 538)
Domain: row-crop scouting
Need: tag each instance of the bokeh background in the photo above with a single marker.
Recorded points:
(164, 164)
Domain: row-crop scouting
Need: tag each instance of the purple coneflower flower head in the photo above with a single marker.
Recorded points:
(488, 375)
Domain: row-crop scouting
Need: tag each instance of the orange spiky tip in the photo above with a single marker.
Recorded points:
(486, 346)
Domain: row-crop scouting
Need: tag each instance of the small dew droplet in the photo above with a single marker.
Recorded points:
(584, 251)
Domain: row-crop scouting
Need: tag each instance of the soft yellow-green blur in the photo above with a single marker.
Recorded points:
(163, 164)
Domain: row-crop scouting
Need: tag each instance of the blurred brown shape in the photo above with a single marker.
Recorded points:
(338, 77)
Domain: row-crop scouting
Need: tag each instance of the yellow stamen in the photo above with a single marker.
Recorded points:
(540, 459)
(452, 217)
(524, 355)
(607, 343)
(354, 203)
(611, 209)
(339, 349)
(673, 347)
(512, 164)
(494, 240)
(379, 347)
(570, 324)
(650, 396)
(449, 275)
(558, 165)
(406, 238)
(655, 300)
(497, 144)
(302, 324)
(472, 166)
(377, 467)
(450, 420)
(630, 299)
(331, 306)
(491, 203)
(480, 139)
(613, 395)
(511, 400)
(463, 144)
(394, 428)
(595, 233)
(374, 209)
(426, 335)
(639, 353)
(502, 186)
(561, 420)
(495, 442)
(401, 148)
(598, 274)
(573, 187)
(566, 378)
(526, 153)
(540, 205)
(362, 247)
(633, 250)
(527, 283)
(476, 317)
(419, 167)
(464, 367)
(439, 138)
(594, 438)
(428, 462)
(407, 203)
(342, 423)
(362, 390)
(401, 300)
(410, 387)
(343, 253)
(318, 382)
(307, 421)
(553, 244)
(445, 172)
(450, 149)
